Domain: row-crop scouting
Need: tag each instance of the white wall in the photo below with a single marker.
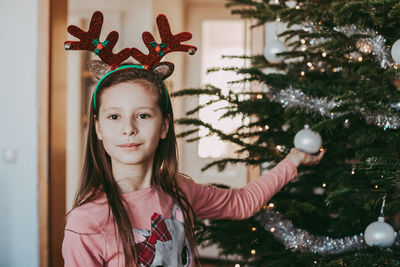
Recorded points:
(18, 132)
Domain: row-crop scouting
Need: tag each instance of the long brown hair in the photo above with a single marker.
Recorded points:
(97, 177)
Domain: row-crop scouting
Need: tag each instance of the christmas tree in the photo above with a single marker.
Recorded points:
(336, 68)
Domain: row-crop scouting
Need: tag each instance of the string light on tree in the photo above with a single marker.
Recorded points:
(364, 46)
(346, 123)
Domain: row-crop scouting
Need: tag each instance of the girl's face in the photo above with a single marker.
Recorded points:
(130, 124)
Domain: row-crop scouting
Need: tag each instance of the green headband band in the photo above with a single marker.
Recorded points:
(118, 69)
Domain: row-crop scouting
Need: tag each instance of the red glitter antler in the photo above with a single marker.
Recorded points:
(90, 41)
(169, 43)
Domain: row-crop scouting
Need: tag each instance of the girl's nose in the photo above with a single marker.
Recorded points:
(129, 129)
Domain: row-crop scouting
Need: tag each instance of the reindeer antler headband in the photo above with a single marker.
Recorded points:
(110, 62)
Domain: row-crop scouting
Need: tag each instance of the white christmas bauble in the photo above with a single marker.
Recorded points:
(379, 234)
(396, 51)
(272, 48)
(307, 140)
(291, 3)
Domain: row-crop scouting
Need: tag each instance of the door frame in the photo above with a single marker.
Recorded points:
(51, 129)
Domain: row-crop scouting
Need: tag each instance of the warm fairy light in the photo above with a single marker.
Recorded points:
(279, 147)
(376, 186)
(303, 41)
(260, 129)
(334, 69)
(237, 265)
(253, 252)
(382, 176)
(297, 7)
(324, 185)
(259, 96)
(360, 59)
(324, 54)
(266, 127)
(315, 262)
(312, 68)
(302, 73)
(253, 229)
(272, 229)
(353, 171)
(309, 64)
(271, 205)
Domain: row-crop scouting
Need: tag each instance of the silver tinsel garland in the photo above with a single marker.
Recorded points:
(374, 44)
(296, 98)
(301, 240)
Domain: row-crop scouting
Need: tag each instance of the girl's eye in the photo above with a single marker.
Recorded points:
(143, 116)
(113, 117)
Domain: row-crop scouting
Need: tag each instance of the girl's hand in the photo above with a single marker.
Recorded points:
(299, 157)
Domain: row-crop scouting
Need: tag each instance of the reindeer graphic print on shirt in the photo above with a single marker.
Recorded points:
(165, 244)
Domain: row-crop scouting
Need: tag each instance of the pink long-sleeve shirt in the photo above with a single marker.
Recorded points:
(90, 238)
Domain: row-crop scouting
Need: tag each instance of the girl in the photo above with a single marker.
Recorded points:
(133, 207)
(132, 195)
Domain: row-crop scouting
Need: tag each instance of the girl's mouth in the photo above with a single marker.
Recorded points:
(130, 146)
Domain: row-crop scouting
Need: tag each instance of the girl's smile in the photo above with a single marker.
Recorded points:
(130, 146)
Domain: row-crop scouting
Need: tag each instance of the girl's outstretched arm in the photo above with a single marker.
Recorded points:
(217, 203)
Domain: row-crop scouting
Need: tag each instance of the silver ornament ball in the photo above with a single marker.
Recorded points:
(379, 234)
(291, 3)
(307, 140)
(273, 48)
(396, 51)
